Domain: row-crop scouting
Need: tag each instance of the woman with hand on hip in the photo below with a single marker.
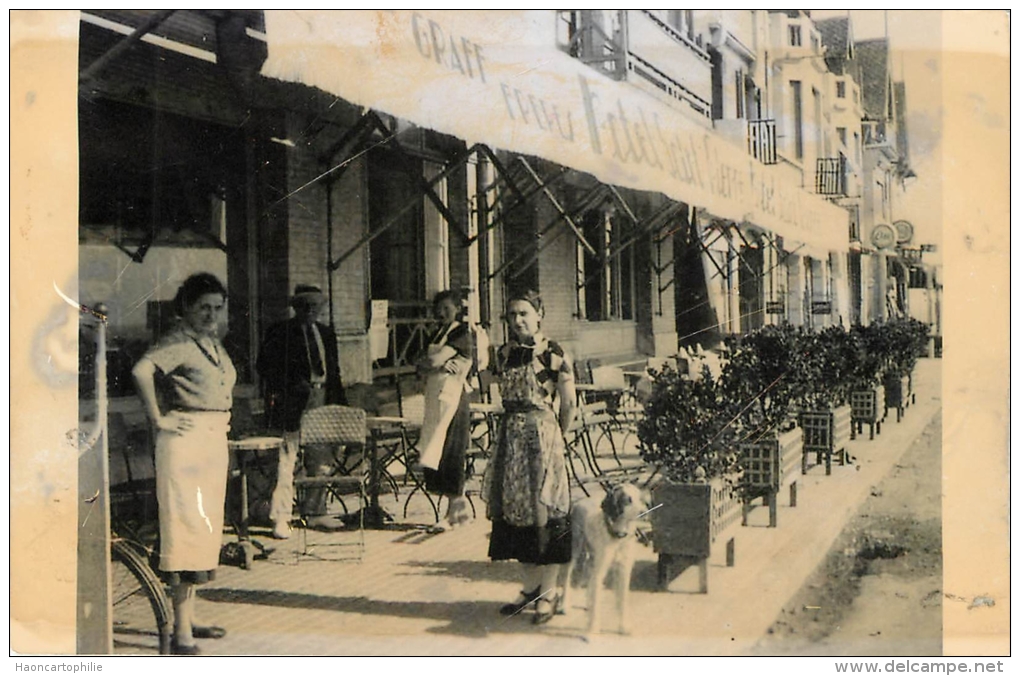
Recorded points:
(446, 429)
(186, 382)
(526, 486)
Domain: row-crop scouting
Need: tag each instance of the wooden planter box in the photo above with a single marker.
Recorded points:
(770, 464)
(688, 519)
(897, 394)
(826, 433)
(867, 407)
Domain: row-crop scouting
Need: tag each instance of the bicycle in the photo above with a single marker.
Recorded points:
(142, 612)
(142, 617)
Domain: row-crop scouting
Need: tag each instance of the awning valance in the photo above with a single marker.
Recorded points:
(498, 78)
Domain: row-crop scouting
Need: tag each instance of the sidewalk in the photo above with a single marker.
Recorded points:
(420, 594)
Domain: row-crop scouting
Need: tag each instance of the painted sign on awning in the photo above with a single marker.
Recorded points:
(497, 77)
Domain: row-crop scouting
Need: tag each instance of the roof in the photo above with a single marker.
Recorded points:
(836, 39)
(873, 60)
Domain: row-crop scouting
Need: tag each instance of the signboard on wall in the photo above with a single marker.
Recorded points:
(775, 307)
(821, 307)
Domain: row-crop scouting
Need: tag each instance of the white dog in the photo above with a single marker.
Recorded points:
(603, 535)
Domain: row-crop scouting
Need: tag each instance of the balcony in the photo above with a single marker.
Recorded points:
(638, 46)
(761, 140)
(830, 176)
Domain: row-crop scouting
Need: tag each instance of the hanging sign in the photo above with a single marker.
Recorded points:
(883, 236)
(821, 307)
(775, 307)
(904, 232)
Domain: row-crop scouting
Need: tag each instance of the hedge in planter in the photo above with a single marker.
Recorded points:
(685, 435)
(867, 396)
(760, 382)
(826, 364)
(906, 339)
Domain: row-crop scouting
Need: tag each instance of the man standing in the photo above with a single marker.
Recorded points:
(300, 371)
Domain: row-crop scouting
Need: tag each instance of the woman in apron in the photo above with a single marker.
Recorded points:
(446, 430)
(186, 382)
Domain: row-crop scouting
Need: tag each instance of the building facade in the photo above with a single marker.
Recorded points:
(663, 178)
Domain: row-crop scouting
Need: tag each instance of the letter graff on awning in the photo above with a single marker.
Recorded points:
(498, 78)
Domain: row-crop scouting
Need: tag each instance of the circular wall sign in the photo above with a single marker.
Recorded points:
(883, 236)
(904, 231)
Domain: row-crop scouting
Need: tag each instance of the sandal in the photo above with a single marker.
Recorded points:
(526, 598)
(199, 631)
(545, 609)
(179, 649)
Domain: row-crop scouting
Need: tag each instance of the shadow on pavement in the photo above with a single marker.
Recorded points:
(474, 619)
(487, 571)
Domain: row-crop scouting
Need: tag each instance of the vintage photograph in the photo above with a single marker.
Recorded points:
(529, 332)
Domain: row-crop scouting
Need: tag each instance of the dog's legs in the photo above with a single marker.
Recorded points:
(577, 554)
(600, 566)
(622, 587)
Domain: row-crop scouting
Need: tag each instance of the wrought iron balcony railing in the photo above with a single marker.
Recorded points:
(830, 176)
(761, 140)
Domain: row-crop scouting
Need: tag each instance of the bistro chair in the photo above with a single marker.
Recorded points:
(344, 429)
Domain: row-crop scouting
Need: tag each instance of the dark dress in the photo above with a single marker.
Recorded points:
(450, 476)
(526, 484)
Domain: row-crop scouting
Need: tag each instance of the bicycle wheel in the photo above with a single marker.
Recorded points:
(142, 619)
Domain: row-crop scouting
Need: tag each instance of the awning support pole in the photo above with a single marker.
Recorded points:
(594, 196)
(407, 206)
(125, 44)
(559, 208)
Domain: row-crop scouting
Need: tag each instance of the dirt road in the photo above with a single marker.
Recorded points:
(879, 591)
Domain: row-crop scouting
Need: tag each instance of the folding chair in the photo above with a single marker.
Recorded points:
(344, 429)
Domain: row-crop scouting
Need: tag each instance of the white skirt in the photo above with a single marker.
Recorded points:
(191, 486)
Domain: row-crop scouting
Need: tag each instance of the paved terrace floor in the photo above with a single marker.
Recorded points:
(419, 594)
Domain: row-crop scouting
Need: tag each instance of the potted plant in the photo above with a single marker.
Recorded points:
(867, 396)
(685, 436)
(826, 364)
(761, 381)
(907, 340)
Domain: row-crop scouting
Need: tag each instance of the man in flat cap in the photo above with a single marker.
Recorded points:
(299, 368)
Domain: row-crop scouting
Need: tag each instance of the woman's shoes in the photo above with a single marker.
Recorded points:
(524, 600)
(439, 527)
(545, 609)
(178, 649)
(199, 631)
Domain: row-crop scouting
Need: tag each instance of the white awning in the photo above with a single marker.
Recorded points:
(498, 78)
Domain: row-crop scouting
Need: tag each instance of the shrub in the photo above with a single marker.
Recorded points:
(684, 431)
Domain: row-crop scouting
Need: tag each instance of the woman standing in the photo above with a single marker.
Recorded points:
(446, 430)
(186, 383)
(526, 485)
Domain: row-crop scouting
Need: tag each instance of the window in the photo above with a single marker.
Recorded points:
(740, 93)
(682, 20)
(605, 282)
(794, 36)
(841, 90)
(798, 119)
(857, 147)
(841, 133)
(814, 43)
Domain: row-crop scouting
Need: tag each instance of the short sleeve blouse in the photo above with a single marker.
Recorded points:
(193, 377)
(458, 337)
